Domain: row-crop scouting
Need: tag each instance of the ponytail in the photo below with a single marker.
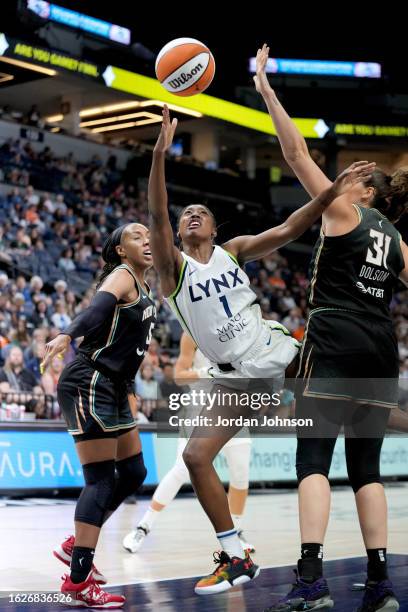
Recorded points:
(110, 255)
(391, 193)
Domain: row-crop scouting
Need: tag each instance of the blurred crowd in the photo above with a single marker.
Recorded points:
(50, 255)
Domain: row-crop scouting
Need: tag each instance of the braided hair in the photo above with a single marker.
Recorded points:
(110, 254)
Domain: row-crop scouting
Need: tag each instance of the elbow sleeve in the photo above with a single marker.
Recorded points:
(100, 309)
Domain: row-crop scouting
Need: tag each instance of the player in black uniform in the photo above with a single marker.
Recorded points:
(357, 262)
(96, 394)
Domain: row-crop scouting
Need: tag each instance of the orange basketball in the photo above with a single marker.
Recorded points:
(185, 67)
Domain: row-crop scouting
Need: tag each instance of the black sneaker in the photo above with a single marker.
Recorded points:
(379, 596)
(304, 596)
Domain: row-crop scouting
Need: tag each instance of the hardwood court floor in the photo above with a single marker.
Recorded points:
(182, 541)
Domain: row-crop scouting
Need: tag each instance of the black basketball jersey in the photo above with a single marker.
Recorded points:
(359, 270)
(120, 343)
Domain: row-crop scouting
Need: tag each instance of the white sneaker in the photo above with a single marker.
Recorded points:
(245, 545)
(134, 540)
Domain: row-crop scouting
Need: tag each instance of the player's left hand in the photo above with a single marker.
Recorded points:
(166, 135)
(260, 78)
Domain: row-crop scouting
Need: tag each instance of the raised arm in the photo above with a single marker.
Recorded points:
(294, 147)
(167, 259)
(247, 248)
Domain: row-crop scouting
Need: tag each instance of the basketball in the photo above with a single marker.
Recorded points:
(185, 67)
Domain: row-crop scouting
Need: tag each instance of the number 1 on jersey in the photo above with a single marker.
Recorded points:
(224, 302)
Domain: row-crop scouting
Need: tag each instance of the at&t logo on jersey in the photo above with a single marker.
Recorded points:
(374, 291)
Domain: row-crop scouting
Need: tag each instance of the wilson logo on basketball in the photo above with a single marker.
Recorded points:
(185, 77)
(185, 67)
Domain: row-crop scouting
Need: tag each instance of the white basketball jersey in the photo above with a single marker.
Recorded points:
(213, 302)
(200, 361)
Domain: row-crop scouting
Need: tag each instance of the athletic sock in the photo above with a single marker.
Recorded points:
(81, 563)
(236, 518)
(377, 564)
(310, 564)
(229, 542)
(148, 518)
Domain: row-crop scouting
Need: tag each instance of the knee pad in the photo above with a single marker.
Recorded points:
(238, 465)
(131, 473)
(314, 456)
(363, 461)
(97, 494)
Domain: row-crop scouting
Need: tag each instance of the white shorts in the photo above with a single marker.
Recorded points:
(271, 354)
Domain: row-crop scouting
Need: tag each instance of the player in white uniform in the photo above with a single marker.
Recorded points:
(190, 367)
(211, 296)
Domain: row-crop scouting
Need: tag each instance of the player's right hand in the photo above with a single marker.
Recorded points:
(58, 346)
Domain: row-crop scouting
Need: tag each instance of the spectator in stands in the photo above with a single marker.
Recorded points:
(146, 384)
(50, 378)
(23, 288)
(60, 204)
(21, 242)
(66, 261)
(152, 355)
(294, 321)
(60, 288)
(60, 319)
(36, 286)
(30, 196)
(21, 308)
(20, 334)
(70, 303)
(15, 377)
(265, 305)
(4, 281)
(39, 318)
(33, 363)
(287, 302)
(146, 388)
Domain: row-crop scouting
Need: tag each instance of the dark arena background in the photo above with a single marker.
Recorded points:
(80, 112)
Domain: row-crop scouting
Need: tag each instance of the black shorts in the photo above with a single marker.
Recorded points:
(93, 405)
(346, 356)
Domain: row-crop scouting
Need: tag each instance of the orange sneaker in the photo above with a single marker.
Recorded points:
(231, 571)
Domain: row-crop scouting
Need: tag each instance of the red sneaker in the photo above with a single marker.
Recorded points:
(88, 594)
(64, 554)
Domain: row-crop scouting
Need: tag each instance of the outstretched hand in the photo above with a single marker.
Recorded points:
(260, 78)
(357, 172)
(166, 135)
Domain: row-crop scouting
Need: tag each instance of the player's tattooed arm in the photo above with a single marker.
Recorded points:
(167, 258)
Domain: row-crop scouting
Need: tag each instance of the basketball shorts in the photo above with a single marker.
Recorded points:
(346, 356)
(93, 405)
